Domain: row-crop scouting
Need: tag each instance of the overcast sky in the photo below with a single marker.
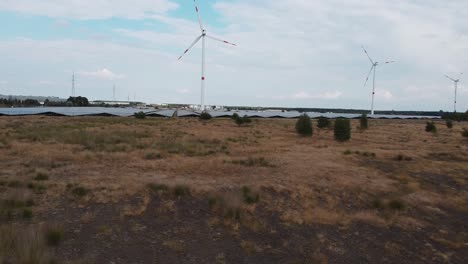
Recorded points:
(303, 53)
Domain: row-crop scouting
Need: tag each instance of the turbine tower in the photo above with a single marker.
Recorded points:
(455, 82)
(373, 69)
(202, 37)
(73, 85)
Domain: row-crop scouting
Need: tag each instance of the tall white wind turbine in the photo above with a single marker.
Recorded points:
(202, 37)
(373, 69)
(455, 82)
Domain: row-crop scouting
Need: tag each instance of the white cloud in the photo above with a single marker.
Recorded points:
(383, 94)
(104, 74)
(183, 91)
(95, 9)
(325, 95)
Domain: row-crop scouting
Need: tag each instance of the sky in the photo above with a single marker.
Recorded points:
(290, 53)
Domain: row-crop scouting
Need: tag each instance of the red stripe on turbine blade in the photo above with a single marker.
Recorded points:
(196, 9)
(185, 51)
(203, 78)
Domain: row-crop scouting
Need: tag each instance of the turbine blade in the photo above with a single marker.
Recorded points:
(198, 15)
(365, 51)
(450, 78)
(224, 41)
(368, 75)
(191, 46)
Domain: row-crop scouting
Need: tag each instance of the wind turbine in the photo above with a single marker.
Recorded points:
(202, 37)
(373, 69)
(455, 82)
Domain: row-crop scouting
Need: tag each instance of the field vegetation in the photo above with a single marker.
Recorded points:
(180, 190)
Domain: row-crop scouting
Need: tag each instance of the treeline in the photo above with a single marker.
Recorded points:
(71, 101)
(456, 116)
(13, 102)
(341, 111)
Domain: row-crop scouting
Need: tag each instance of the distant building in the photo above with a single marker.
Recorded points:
(117, 103)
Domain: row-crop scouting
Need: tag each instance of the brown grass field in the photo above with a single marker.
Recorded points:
(122, 190)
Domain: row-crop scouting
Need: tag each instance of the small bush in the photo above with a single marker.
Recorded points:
(401, 157)
(364, 123)
(449, 123)
(181, 190)
(396, 205)
(153, 156)
(212, 202)
(27, 213)
(249, 196)
(342, 130)
(80, 191)
(323, 122)
(158, 187)
(41, 177)
(304, 126)
(242, 120)
(465, 133)
(235, 116)
(251, 162)
(430, 127)
(54, 236)
(15, 184)
(205, 116)
(140, 115)
(348, 152)
(377, 204)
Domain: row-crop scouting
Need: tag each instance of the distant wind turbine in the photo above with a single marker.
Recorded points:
(202, 37)
(455, 82)
(373, 69)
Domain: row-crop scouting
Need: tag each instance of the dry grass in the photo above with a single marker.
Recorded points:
(115, 158)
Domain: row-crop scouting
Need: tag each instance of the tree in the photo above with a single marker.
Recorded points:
(430, 127)
(78, 101)
(342, 130)
(364, 122)
(205, 116)
(323, 122)
(304, 126)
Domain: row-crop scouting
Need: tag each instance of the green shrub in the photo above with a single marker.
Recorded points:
(430, 127)
(158, 187)
(465, 133)
(396, 205)
(181, 190)
(342, 129)
(377, 204)
(348, 152)
(27, 213)
(80, 191)
(304, 126)
(205, 116)
(364, 124)
(41, 177)
(15, 184)
(323, 122)
(140, 115)
(54, 236)
(235, 116)
(249, 196)
(153, 156)
(242, 120)
(449, 123)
